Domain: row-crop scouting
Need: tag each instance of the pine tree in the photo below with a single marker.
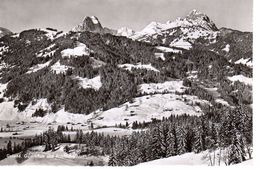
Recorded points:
(79, 136)
(197, 146)
(182, 142)
(155, 145)
(164, 137)
(9, 147)
(69, 139)
(15, 149)
(172, 142)
(237, 151)
(112, 159)
(91, 163)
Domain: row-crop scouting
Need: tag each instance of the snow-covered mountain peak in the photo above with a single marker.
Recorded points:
(196, 24)
(94, 19)
(153, 27)
(200, 19)
(195, 12)
(124, 31)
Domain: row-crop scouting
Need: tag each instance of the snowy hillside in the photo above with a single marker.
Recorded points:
(124, 31)
(190, 159)
(165, 95)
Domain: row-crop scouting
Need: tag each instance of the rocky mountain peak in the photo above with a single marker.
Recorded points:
(200, 19)
(4, 31)
(90, 23)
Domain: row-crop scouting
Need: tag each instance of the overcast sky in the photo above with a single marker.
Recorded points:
(18, 15)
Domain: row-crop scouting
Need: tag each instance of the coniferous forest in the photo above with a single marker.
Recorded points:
(122, 98)
(171, 136)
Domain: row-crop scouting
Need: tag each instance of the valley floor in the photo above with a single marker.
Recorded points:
(36, 156)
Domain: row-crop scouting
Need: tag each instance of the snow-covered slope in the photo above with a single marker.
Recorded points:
(59, 68)
(241, 78)
(52, 33)
(191, 159)
(153, 104)
(37, 156)
(124, 31)
(79, 50)
(94, 83)
(138, 66)
(248, 62)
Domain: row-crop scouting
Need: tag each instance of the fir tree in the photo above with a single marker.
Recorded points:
(9, 147)
(172, 142)
(237, 151)
(155, 145)
(112, 159)
(197, 146)
(181, 136)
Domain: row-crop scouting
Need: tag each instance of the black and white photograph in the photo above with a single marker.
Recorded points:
(160, 83)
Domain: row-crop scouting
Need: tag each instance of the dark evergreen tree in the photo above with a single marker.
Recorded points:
(112, 159)
(9, 147)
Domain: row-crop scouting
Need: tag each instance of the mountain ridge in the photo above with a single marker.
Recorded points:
(89, 56)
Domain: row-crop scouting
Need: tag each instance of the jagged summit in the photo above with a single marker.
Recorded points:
(124, 31)
(90, 23)
(192, 26)
(195, 12)
(201, 19)
(194, 18)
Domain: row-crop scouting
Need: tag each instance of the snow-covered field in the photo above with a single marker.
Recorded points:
(47, 51)
(94, 83)
(167, 49)
(145, 108)
(248, 62)
(158, 101)
(138, 66)
(181, 44)
(204, 158)
(2, 88)
(241, 78)
(79, 50)
(36, 156)
(59, 68)
(168, 86)
(52, 34)
(222, 101)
